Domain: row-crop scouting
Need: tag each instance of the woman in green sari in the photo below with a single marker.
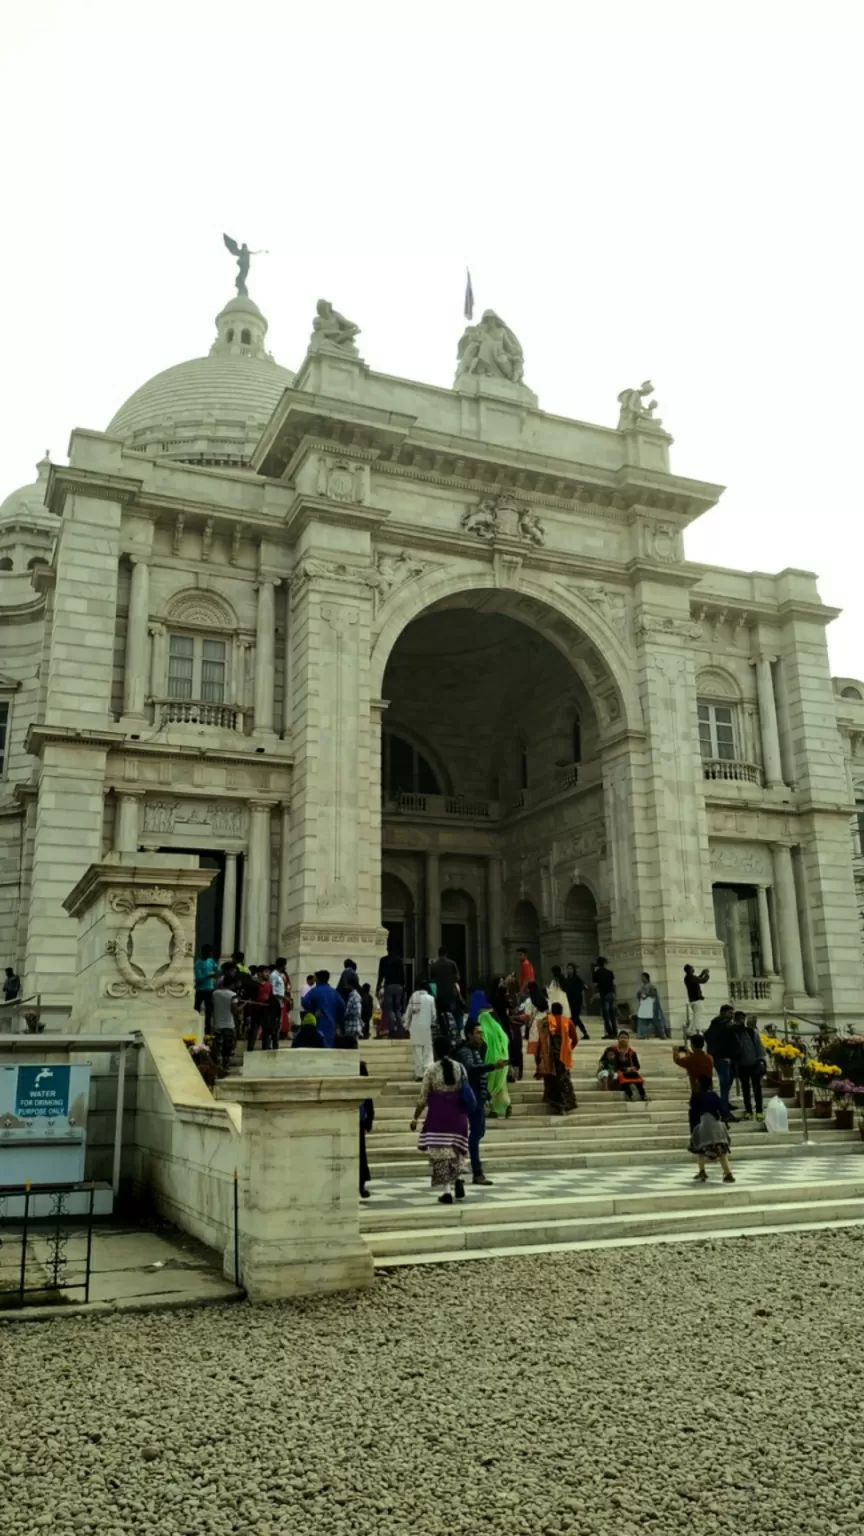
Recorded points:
(497, 1048)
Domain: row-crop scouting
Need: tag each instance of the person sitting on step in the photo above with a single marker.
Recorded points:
(629, 1073)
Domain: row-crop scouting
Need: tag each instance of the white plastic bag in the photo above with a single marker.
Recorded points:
(776, 1115)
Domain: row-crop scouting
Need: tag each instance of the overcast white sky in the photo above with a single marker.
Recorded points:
(670, 190)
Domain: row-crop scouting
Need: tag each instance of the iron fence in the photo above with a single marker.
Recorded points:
(46, 1245)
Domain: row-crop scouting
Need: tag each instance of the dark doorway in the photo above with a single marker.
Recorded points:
(208, 916)
(454, 937)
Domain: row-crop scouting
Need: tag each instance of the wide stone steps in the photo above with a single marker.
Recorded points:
(635, 1152)
(485, 1230)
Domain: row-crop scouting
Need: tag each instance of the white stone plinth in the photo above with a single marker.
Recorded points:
(299, 1231)
(494, 389)
(303, 1063)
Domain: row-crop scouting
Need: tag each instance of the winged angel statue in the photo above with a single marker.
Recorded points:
(244, 256)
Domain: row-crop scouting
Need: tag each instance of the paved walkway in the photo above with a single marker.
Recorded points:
(130, 1270)
(806, 1168)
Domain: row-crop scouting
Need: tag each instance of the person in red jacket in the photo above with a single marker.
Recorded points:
(526, 971)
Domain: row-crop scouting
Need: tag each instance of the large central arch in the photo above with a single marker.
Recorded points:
(575, 625)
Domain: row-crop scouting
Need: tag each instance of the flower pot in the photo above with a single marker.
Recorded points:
(786, 1088)
(808, 1098)
(772, 1078)
(822, 1110)
(844, 1119)
(861, 1129)
(787, 1069)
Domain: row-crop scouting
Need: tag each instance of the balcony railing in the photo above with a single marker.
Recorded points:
(751, 989)
(226, 717)
(730, 770)
(462, 807)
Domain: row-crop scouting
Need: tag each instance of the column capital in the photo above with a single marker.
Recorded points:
(122, 793)
(267, 581)
(763, 656)
(138, 557)
(156, 627)
(263, 805)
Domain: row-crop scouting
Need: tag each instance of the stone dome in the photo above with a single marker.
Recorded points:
(27, 504)
(210, 410)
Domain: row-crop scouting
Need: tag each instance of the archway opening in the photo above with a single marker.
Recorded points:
(492, 769)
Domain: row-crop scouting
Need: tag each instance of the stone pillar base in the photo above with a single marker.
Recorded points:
(310, 947)
(277, 1271)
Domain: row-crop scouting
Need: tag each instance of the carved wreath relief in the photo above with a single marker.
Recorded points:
(151, 949)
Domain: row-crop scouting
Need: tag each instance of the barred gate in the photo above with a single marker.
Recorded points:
(45, 1248)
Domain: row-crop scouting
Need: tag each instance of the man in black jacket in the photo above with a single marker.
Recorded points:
(470, 1053)
(720, 1043)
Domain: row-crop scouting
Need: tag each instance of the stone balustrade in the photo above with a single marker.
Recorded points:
(227, 717)
(731, 770)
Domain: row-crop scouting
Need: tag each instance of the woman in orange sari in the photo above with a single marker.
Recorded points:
(556, 1039)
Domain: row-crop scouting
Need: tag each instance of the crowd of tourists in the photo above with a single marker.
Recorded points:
(468, 1045)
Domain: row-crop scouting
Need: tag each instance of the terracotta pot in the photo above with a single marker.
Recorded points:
(808, 1098)
(844, 1119)
(786, 1088)
(787, 1069)
(822, 1110)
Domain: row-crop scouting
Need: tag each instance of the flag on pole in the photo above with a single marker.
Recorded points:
(469, 296)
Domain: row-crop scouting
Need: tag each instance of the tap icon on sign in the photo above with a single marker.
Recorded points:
(45, 1072)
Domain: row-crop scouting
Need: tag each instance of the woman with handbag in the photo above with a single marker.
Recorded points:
(557, 1037)
(448, 1100)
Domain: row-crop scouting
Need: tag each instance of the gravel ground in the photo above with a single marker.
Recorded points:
(704, 1388)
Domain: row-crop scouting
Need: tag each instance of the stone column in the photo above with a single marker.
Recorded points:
(265, 645)
(229, 905)
(494, 917)
(158, 671)
(126, 820)
(257, 897)
(765, 944)
(433, 905)
(288, 697)
(284, 873)
(787, 919)
(768, 722)
(135, 674)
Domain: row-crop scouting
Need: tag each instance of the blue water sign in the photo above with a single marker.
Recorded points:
(42, 1093)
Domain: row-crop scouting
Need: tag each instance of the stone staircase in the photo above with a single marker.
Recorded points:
(610, 1172)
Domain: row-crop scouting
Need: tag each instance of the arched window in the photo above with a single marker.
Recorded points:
(577, 738)
(5, 564)
(35, 562)
(229, 334)
(404, 770)
(851, 693)
(717, 739)
(197, 668)
(246, 338)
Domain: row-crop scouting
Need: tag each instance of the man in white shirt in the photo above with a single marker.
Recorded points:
(273, 1023)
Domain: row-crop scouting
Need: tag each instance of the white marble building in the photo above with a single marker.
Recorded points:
(383, 653)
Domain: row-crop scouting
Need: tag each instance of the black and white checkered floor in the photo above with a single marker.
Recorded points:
(607, 1183)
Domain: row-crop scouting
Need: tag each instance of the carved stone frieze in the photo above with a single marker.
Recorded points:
(222, 820)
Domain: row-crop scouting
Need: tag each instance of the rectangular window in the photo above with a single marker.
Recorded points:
(213, 671)
(717, 731)
(4, 724)
(181, 665)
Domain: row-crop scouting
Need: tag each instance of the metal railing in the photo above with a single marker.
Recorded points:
(42, 1256)
(731, 770)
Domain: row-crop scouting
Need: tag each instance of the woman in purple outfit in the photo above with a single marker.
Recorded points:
(444, 1137)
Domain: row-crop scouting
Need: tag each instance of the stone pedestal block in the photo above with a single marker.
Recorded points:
(298, 1225)
(136, 931)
